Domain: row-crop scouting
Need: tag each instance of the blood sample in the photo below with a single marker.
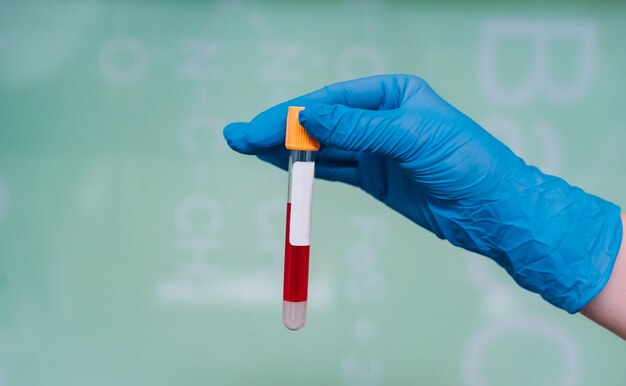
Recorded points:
(298, 233)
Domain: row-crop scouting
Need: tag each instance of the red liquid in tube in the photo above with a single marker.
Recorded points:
(296, 279)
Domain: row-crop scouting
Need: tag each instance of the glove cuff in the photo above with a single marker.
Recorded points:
(574, 239)
(589, 249)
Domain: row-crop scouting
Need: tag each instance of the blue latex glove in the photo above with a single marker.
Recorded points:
(395, 138)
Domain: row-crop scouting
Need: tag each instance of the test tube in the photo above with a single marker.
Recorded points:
(298, 233)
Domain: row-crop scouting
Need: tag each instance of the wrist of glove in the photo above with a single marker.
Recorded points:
(552, 238)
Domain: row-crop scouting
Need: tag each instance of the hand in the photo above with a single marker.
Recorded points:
(395, 138)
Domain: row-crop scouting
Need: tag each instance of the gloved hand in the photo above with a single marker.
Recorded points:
(395, 138)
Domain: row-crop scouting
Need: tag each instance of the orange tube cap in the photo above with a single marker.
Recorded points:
(296, 138)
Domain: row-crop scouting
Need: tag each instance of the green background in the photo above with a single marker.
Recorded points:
(136, 249)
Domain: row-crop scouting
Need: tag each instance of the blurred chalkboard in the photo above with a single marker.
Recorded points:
(136, 249)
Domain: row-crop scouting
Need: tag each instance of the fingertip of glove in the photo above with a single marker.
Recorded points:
(235, 136)
(313, 118)
(309, 113)
(231, 128)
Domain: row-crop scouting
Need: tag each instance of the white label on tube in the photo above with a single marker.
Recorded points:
(302, 174)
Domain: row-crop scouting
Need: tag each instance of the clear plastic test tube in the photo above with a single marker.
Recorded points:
(298, 225)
